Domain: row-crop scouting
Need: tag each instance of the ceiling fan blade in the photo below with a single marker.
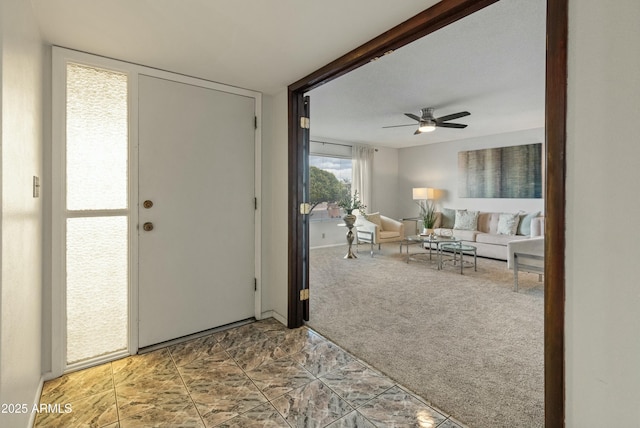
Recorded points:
(451, 125)
(417, 132)
(453, 116)
(413, 116)
(397, 126)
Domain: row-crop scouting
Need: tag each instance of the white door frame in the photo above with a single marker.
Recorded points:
(60, 57)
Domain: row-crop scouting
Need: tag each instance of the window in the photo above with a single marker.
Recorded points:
(96, 213)
(329, 181)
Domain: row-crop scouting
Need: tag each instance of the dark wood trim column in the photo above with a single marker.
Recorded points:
(554, 287)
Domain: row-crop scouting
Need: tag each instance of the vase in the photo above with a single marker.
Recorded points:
(350, 221)
(427, 231)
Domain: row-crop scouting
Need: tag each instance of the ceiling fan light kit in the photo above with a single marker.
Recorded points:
(428, 123)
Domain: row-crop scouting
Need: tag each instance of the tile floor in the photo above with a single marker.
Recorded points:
(256, 375)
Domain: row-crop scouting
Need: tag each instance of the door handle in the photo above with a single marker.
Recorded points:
(148, 226)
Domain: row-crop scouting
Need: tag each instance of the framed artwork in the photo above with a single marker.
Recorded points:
(503, 172)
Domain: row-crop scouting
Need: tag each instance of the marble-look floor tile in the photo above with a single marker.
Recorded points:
(239, 336)
(293, 341)
(352, 420)
(252, 355)
(160, 391)
(96, 410)
(279, 377)
(186, 352)
(396, 408)
(356, 383)
(265, 416)
(142, 366)
(322, 358)
(312, 405)
(210, 367)
(449, 423)
(225, 396)
(76, 385)
(187, 417)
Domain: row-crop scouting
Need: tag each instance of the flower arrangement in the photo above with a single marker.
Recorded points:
(427, 213)
(350, 203)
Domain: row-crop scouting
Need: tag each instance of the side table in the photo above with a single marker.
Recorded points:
(458, 248)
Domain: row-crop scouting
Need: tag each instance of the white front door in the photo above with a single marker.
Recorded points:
(196, 167)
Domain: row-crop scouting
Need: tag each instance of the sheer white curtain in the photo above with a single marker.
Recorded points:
(362, 157)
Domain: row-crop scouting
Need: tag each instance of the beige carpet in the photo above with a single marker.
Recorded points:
(466, 343)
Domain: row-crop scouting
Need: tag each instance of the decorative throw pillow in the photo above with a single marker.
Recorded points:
(466, 220)
(525, 223)
(448, 218)
(374, 218)
(508, 224)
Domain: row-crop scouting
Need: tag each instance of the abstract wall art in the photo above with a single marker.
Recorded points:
(503, 172)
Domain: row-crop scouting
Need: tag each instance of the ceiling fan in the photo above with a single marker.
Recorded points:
(428, 123)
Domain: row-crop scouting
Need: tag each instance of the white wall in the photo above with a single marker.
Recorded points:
(385, 197)
(275, 198)
(603, 148)
(21, 284)
(436, 165)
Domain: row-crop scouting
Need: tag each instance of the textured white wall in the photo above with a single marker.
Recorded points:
(436, 165)
(603, 295)
(21, 286)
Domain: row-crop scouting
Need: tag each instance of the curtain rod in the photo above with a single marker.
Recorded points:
(335, 144)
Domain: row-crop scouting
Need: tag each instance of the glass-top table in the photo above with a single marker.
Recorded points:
(457, 248)
(426, 242)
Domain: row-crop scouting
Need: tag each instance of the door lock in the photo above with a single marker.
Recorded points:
(148, 226)
(147, 204)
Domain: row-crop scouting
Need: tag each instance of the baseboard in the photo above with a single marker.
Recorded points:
(274, 314)
(36, 402)
(329, 246)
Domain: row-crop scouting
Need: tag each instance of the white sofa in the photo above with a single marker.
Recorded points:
(486, 238)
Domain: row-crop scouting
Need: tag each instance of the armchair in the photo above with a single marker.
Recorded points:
(378, 229)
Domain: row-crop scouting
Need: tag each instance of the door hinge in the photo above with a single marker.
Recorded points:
(304, 122)
(305, 208)
(304, 294)
(255, 122)
(255, 284)
(255, 203)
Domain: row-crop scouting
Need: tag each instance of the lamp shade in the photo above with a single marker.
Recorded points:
(420, 193)
(423, 193)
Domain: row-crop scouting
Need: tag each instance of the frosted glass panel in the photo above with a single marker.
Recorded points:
(97, 278)
(97, 138)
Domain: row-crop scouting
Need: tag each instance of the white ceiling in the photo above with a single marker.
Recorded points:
(490, 63)
(263, 45)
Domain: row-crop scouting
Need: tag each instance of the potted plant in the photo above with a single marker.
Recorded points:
(428, 215)
(350, 203)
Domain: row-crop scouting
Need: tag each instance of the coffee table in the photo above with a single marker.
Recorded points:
(426, 240)
(461, 249)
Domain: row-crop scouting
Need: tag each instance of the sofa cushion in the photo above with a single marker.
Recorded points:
(508, 224)
(466, 220)
(524, 228)
(448, 218)
(465, 235)
(490, 238)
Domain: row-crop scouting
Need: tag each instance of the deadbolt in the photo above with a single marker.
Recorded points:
(147, 204)
(148, 226)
